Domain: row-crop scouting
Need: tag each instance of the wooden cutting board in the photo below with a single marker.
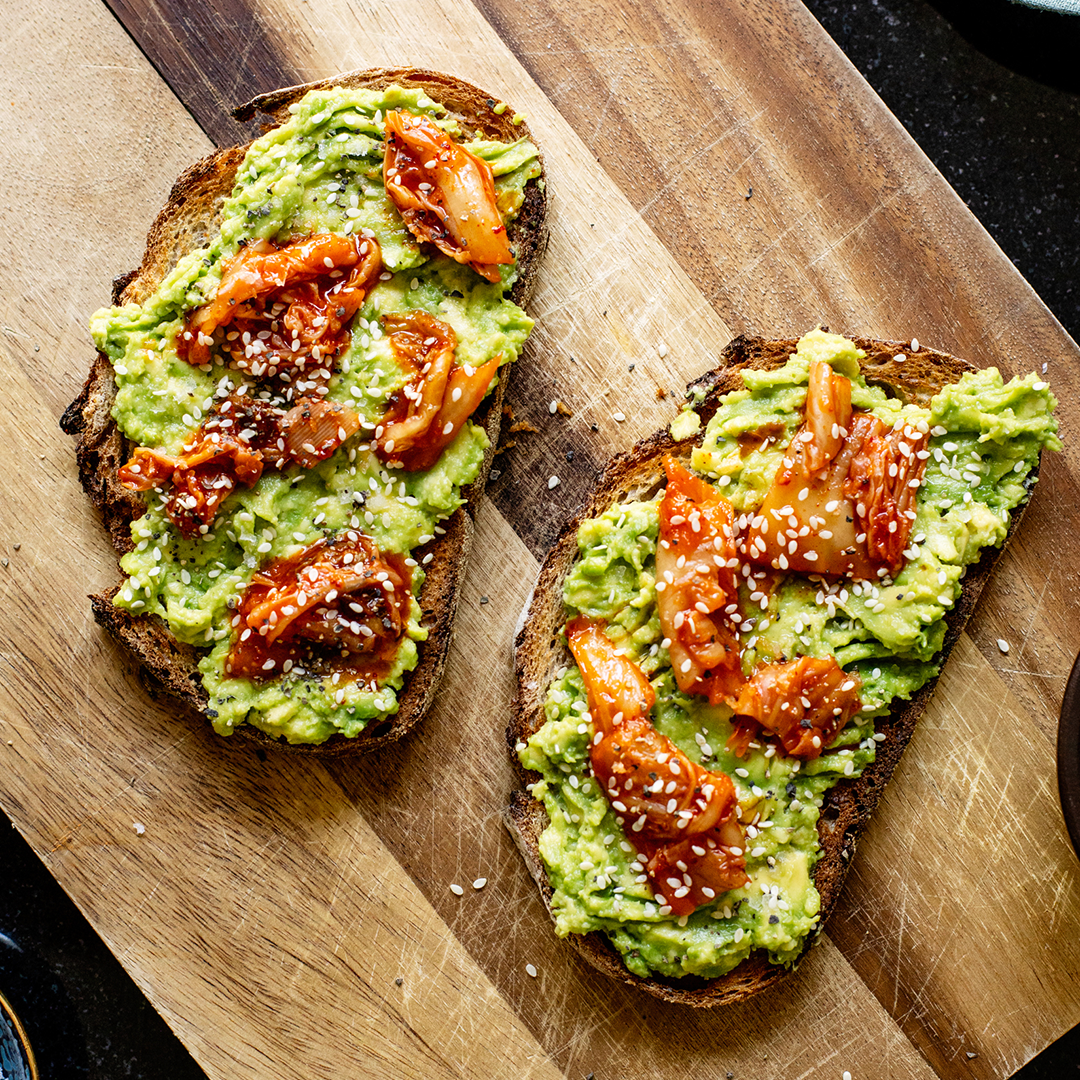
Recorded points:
(715, 169)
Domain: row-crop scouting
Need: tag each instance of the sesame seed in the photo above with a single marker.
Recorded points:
(457, 890)
(479, 883)
(531, 972)
(1039, 385)
(553, 408)
(914, 348)
(661, 351)
(553, 482)
(1003, 645)
(618, 416)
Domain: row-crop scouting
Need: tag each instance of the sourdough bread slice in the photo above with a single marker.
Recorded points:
(540, 652)
(189, 221)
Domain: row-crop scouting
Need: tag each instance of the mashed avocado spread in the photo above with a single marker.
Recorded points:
(320, 172)
(985, 437)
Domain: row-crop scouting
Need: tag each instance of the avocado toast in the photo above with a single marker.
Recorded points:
(710, 918)
(296, 401)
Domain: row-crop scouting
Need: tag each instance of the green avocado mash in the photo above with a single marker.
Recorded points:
(321, 171)
(985, 440)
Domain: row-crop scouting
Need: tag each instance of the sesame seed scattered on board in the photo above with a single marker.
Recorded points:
(531, 971)
(553, 482)
(618, 416)
(457, 890)
(1003, 645)
(479, 883)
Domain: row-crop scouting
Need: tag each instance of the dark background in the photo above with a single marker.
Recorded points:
(991, 92)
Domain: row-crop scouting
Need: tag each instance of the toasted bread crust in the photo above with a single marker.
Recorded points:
(539, 653)
(188, 221)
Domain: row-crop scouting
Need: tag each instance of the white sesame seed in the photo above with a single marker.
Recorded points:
(1003, 645)
(479, 883)
(553, 482)
(618, 416)
(914, 348)
(531, 972)
(661, 350)
(457, 890)
(553, 408)
(1039, 385)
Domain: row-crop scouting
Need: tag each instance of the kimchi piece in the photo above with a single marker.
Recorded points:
(313, 429)
(697, 590)
(284, 312)
(337, 606)
(680, 817)
(803, 703)
(445, 195)
(425, 415)
(843, 501)
(236, 442)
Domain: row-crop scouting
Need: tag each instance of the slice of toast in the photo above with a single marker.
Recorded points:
(187, 222)
(540, 652)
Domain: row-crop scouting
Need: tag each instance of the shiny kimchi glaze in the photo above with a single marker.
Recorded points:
(803, 702)
(697, 591)
(445, 195)
(428, 412)
(336, 607)
(239, 439)
(680, 816)
(282, 313)
(843, 501)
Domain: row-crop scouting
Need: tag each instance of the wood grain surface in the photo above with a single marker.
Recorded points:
(715, 168)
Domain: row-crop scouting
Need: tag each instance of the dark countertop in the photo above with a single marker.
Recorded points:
(991, 92)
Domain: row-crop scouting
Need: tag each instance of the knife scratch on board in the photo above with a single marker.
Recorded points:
(877, 209)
